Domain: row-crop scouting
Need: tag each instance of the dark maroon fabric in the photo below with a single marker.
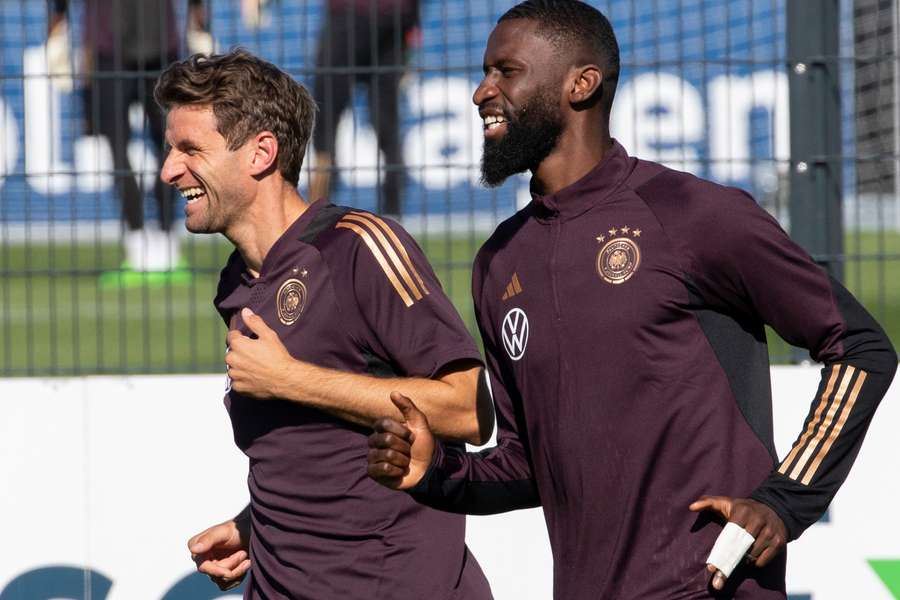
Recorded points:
(321, 527)
(643, 381)
(131, 31)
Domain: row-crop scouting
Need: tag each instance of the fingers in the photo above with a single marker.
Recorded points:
(222, 567)
(718, 580)
(386, 474)
(767, 555)
(766, 527)
(237, 575)
(394, 458)
(769, 542)
(720, 504)
(255, 323)
(412, 415)
(208, 539)
(384, 471)
(226, 578)
(753, 531)
(232, 337)
(387, 427)
(389, 453)
(729, 550)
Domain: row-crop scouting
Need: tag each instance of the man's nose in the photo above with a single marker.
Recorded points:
(172, 169)
(485, 91)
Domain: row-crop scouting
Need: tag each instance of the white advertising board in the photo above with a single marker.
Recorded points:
(104, 479)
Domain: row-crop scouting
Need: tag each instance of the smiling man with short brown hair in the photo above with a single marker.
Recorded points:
(329, 310)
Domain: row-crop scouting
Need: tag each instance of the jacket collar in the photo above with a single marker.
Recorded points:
(597, 186)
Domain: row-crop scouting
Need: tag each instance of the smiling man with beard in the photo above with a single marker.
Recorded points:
(531, 134)
(623, 314)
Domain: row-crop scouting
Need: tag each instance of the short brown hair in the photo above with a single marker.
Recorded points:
(247, 95)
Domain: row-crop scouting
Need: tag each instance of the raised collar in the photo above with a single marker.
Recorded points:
(285, 243)
(598, 185)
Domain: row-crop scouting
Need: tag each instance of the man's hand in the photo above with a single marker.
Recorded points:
(221, 552)
(256, 366)
(400, 453)
(760, 521)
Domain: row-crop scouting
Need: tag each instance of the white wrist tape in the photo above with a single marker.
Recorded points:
(730, 548)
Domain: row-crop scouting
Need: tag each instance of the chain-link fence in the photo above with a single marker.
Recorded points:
(89, 282)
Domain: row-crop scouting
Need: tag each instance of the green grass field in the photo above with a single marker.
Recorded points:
(58, 318)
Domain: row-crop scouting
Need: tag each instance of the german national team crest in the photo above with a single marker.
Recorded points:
(620, 255)
(291, 301)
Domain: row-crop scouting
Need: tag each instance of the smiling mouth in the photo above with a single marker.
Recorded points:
(192, 194)
(493, 122)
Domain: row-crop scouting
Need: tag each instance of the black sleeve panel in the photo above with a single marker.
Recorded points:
(740, 347)
(447, 487)
(804, 484)
(491, 481)
(495, 480)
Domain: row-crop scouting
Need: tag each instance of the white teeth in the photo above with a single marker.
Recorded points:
(192, 194)
(493, 122)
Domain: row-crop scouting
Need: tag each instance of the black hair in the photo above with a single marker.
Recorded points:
(569, 24)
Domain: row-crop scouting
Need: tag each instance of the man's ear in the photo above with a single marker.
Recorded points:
(586, 81)
(264, 152)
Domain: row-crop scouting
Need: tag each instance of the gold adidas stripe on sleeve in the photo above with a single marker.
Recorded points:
(376, 252)
(835, 371)
(385, 252)
(369, 224)
(829, 419)
(836, 431)
(397, 243)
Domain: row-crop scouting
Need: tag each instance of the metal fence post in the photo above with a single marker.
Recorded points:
(816, 182)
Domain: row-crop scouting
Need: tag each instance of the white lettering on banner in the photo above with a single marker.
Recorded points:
(9, 141)
(444, 149)
(143, 162)
(735, 97)
(47, 172)
(659, 116)
(356, 151)
(93, 164)
(44, 167)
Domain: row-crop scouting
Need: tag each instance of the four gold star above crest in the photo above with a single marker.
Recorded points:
(624, 230)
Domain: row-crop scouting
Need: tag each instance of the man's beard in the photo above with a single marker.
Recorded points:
(530, 137)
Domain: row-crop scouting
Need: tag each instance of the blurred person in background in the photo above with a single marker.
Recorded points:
(368, 42)
(125, 44)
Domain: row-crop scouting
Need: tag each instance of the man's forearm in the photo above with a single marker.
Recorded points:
(457, 403)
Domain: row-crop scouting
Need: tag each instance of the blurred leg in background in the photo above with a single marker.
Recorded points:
(124, 45)
(363, 41)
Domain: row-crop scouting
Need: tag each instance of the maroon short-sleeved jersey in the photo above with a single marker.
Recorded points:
(623, 324)
(346, 290)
